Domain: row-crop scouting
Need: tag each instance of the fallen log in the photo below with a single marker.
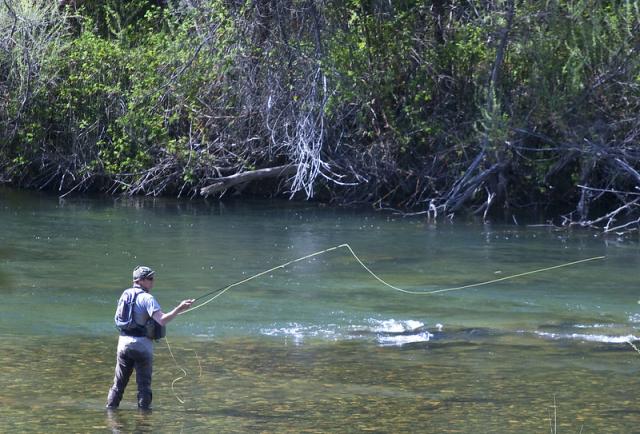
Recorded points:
(223, 183)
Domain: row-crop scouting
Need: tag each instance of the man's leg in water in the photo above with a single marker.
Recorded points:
(124, 368)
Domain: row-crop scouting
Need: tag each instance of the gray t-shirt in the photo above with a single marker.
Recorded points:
(146, 305)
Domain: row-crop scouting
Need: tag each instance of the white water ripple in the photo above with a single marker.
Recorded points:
(589, 338)
(393, 332)
(388, 332)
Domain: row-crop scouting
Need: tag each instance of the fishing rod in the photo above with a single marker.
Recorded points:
(215, 291)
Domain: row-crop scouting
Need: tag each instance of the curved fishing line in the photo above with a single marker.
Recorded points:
(184, 371)
(219, 292)
(473, 285)
(177, 378)
(255, 276)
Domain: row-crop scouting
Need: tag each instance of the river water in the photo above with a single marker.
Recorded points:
(319, 346)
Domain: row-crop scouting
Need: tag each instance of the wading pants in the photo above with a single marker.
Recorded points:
(127, 360)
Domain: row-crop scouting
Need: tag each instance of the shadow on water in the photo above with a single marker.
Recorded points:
(121, 422)
(5, 280)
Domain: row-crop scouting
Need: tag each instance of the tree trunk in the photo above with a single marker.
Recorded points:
(226, 182)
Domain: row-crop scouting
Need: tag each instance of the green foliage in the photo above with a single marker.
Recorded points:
(570, 74)
(377, 69)
(128, 91)
(33, 36)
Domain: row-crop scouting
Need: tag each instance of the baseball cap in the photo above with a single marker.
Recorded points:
(141, 272)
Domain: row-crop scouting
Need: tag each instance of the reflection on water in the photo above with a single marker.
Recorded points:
(319, 346)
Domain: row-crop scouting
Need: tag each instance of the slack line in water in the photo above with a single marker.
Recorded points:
(218, 292)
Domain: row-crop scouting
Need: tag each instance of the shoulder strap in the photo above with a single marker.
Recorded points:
(136, 293)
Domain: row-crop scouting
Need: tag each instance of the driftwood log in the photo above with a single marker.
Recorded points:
(221, 184)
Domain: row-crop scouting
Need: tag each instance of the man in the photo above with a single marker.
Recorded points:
(136, 351)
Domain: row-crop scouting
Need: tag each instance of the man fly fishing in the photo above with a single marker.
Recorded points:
(140, 320)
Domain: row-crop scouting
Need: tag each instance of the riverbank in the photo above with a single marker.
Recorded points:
(445, 108)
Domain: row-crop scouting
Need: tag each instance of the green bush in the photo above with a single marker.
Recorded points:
(400, 104)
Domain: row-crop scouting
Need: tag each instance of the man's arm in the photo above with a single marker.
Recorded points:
(163, 318)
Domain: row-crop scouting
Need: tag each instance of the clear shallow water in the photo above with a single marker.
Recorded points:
(319, 346)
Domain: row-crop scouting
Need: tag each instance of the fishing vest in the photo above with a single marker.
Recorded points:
(125, 318)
